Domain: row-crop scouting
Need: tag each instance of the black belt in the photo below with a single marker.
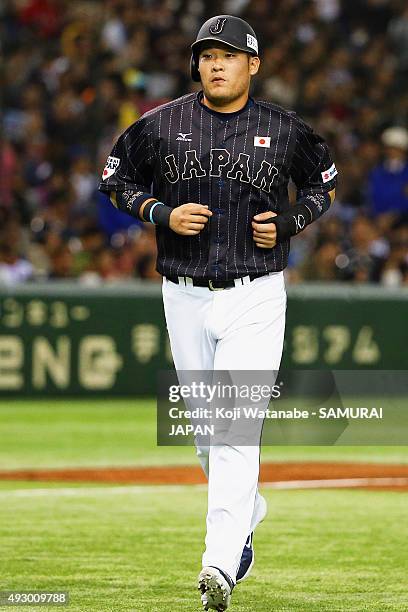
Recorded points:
(213, 285)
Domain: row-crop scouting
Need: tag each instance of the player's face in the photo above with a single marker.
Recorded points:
(226, 73)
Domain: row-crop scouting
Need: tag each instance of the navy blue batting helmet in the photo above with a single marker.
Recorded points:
(230, 30)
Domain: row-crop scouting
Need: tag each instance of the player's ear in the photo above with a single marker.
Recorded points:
(254, 63)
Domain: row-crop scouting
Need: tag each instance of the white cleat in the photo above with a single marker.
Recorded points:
(215, 589)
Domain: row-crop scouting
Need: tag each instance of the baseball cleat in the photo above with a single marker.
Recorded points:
(247, 559)
(248, 553)
(216, 588)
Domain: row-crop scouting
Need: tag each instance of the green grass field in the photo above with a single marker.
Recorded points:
(139, 548)
(59, 433)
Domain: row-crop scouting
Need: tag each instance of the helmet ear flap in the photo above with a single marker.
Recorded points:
(195, 74)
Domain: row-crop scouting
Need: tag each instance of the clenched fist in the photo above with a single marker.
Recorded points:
(264, 233)
(189, 219)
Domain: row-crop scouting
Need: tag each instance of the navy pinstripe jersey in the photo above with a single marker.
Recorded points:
(239, 164)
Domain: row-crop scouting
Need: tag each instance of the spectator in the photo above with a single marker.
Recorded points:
(395, 270)
(364, 252)
(322, 266)
(398, 34)
(75, 74)
(388, 182)
(62, 263)
(13, 269)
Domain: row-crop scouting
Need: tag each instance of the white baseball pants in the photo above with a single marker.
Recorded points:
(241, 328)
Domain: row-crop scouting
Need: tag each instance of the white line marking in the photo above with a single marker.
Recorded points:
(92, 491)
(336, 483)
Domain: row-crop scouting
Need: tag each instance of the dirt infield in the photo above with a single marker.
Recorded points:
(277, 475)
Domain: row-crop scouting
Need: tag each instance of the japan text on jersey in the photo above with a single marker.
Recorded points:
(239, 164)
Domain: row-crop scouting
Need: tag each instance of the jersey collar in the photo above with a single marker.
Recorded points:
(225, 116)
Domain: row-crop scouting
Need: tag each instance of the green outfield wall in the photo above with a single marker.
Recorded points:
(66, 339)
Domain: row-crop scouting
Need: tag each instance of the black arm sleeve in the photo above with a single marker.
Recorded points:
(303, 213)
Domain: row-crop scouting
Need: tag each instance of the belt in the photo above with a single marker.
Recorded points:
(214, 285)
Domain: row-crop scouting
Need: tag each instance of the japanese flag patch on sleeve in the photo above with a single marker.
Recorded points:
(329, 174)
(111, 166)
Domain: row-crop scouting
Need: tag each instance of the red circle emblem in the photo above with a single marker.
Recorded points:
(262, 141)
(105, 172)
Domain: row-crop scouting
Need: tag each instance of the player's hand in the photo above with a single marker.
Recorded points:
(189, 219)
(264, 233)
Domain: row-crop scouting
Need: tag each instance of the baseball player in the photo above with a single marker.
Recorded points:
(210, 170)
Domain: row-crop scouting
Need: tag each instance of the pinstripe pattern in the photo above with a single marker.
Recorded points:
(168, 153)
(247, 207)
(205, 273)
(219, 216)
(238, 216)
(172, 248)
(200, 236)
(178, 192)
(190, 242)
(257, 208)
(236, 202)
(274, 162)
(163, 246)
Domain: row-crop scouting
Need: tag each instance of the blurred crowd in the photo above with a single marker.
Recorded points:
(73, 75)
